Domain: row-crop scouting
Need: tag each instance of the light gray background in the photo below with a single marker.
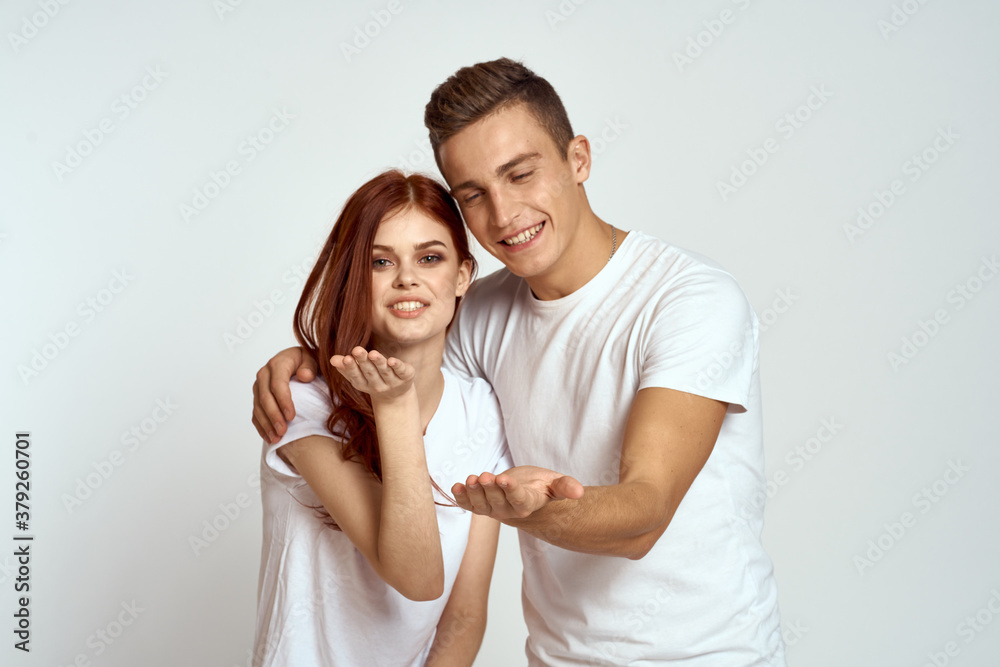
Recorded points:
(835, 304)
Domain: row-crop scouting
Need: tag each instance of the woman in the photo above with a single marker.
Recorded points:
(364, 560)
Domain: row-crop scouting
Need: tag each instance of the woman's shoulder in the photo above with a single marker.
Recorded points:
(311, 399)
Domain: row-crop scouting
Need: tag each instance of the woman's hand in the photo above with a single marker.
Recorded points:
(382, 379)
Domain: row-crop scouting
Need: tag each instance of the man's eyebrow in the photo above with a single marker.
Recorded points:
(507, 166)
(416, 246)
(515, 161)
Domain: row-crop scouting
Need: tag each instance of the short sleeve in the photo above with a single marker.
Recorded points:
(312, 410)
(702, 339)
(458, 357)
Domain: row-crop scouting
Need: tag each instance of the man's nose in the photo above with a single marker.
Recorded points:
(506, 209)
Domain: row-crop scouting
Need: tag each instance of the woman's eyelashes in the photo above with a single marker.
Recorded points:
(385, 263)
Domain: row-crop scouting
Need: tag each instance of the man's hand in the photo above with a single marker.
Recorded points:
(272, 400)
(516, 493)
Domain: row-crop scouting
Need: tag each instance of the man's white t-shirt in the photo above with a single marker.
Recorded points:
(566, 372)
(319, 601)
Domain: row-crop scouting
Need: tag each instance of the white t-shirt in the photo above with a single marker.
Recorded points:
(566, 372)
(319, 602)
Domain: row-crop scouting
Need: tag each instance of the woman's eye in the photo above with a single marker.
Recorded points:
(380, 263)
(430, 259)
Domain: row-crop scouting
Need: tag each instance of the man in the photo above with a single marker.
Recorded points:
(618, 359)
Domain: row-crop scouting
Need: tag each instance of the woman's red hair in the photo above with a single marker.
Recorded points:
(334, 314)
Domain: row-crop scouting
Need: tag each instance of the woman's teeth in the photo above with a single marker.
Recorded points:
(407, 305)
(526, 235)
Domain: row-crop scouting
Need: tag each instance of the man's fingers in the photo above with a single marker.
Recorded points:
(496, 497)
(566, 488)
(461, 496)
(265, 403)
(308, 369)
(275, 396)
(515, 493)
(261, 431)
(476, 496)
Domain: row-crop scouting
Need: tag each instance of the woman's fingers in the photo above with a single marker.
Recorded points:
(347, 366)
(373, 373)
(400, 369)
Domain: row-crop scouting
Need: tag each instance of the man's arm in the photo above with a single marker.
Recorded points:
(463, 622)
(272, 399)
(668, 438)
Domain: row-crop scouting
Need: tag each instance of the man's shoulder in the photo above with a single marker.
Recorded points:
(492, 293)
(672, 268)
(471, 391)
(500, 282)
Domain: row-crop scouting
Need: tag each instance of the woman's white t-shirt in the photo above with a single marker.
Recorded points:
(320, 603)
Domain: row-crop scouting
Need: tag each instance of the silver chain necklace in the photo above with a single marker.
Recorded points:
(614, 243)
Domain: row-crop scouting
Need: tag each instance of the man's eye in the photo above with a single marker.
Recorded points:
(524, 175)
(471, 198)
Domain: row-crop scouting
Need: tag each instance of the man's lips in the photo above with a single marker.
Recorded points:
(523, 237)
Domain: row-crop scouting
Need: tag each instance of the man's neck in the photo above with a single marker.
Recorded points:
(583, 259)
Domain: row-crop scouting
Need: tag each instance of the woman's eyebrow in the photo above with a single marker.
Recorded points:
(416, 246)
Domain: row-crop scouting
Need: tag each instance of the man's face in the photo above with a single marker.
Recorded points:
(520, 198)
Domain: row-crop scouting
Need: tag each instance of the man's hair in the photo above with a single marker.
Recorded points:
(473, 93)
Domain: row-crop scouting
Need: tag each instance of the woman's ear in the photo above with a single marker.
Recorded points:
(464, 278)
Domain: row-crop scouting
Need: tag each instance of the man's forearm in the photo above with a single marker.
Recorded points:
(617, 520)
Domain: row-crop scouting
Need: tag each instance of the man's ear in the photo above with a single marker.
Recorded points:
(579, 157)
(464, 278)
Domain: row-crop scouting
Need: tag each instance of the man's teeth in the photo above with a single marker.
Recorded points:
(407, 305)
(526, 235)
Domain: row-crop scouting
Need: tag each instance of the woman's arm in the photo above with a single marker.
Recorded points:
(394, 524)
(463, 622)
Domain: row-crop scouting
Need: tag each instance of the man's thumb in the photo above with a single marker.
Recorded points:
(566, 488)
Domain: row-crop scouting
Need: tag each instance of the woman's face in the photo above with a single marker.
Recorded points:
(416, 275)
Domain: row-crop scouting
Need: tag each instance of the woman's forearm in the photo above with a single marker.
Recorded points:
(409, 543)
